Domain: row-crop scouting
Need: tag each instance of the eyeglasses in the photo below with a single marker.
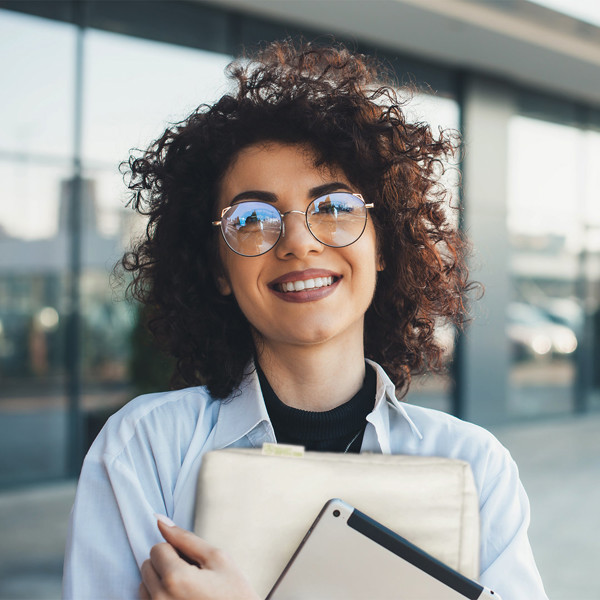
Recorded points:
(251, 228)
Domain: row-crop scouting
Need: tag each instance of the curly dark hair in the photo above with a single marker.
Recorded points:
(333, 101)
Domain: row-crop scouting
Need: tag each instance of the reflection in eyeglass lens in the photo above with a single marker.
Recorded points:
(337, 219)
(252, 228)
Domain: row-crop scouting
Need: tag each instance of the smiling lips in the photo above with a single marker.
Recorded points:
(305, 286)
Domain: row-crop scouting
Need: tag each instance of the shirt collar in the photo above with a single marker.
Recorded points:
(244, 413)
(386, 397)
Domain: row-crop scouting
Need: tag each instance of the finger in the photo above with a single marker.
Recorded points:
(143, 592)
(165, 559)
(150, 580)
(191, 545)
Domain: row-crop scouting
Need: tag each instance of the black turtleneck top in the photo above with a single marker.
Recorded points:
(338, 430)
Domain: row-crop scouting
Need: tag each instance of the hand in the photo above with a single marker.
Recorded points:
(167, 576)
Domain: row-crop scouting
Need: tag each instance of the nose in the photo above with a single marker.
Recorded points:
(296, 240)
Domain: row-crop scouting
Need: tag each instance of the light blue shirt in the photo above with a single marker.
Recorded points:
(147, 457)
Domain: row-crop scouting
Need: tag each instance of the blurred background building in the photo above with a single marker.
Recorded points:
(86, 81)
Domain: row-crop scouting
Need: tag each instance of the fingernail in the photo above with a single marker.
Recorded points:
(164, 519)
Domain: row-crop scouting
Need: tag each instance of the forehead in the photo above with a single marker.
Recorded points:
(277, 168)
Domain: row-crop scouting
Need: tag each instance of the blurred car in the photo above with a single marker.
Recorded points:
(565, 311)
(532, 334)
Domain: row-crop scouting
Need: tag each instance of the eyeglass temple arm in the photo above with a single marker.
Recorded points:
(217, 223)
(360, 196)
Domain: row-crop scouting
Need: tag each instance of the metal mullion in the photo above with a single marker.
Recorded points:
(73, 330)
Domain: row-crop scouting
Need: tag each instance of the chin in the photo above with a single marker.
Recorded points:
(312, 330)
(300, 336)
(319, 334)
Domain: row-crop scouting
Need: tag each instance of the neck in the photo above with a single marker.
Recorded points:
(315, 377)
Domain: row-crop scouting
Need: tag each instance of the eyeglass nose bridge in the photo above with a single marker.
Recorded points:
(299, 212)
(289, 212)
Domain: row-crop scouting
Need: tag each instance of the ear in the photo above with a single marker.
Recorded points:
(380, 264)
(223, 285)
(220, 277)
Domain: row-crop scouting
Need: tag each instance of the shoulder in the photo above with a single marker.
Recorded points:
(438, 427)
(159, 421)
(445, 435)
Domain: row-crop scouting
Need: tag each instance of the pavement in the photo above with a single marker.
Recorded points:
(33, 522)
(559, 461)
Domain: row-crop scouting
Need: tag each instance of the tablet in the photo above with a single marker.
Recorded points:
(346, 555)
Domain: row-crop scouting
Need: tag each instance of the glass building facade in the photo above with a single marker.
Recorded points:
(87, 82)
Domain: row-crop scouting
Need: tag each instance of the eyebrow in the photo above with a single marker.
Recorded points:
(327, 188)
(315, 192)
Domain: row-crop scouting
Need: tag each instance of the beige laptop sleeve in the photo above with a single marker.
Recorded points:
(259, 508)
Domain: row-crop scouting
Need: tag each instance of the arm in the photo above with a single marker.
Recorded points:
(110, 532)
(210, 574)
(507, 562)
(143, 462)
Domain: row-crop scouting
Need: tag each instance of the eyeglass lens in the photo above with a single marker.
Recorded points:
(252, 228)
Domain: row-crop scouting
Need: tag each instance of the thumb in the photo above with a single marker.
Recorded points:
(188, 543)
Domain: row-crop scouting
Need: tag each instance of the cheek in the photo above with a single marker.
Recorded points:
(372, 264)
(375, 242)
(239, 276)
(371, 248)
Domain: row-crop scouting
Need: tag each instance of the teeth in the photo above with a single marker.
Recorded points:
(306, 284)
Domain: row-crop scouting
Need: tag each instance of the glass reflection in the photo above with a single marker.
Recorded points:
(32, 324)
(37, 66)
(590, 267)
(545, 317)
(135, 87)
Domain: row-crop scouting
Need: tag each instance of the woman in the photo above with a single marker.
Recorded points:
(297, 227)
